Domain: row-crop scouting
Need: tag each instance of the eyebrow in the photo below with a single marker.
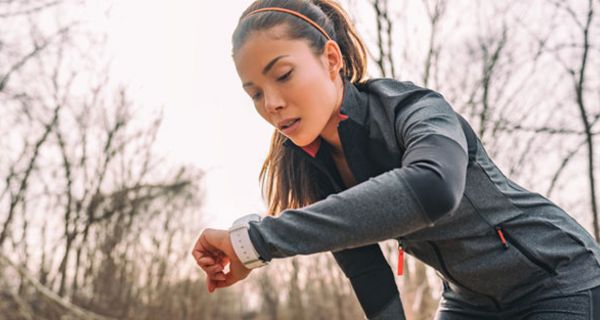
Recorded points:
(268, 67)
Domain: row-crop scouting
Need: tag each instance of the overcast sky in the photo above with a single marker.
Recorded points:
(181, 58)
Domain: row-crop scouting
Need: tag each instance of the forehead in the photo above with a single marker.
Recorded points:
(262, 46)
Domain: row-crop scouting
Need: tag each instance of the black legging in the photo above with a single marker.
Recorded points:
(584, 305)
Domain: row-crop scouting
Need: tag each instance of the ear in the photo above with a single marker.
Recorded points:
(334, 59)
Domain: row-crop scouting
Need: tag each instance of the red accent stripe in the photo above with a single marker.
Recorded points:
(297, 14)
(400, 261)
(501, 235)
(313, 147)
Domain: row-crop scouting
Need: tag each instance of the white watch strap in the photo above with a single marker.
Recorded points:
(242, 245)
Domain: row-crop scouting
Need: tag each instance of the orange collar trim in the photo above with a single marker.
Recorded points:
(314, 146)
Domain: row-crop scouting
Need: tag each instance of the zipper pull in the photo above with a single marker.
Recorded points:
(501, 235)
(400, 259)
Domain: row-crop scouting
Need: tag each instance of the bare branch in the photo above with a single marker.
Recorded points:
(30, 10)
(563, 5)
(20, 194)
(36, 50)
(77, 311)
(517, 127)
(435, 14)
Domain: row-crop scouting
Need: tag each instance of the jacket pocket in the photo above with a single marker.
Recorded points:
(556, 245)
(486, 265)
(509, 241)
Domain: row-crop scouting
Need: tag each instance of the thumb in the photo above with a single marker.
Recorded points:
(230, 278)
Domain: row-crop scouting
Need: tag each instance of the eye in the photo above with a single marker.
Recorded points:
(256, 96)
(285, 77)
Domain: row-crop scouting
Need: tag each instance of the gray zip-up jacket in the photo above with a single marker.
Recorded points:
(425, 179)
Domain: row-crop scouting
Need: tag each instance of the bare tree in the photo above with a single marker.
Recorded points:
(87, 169)
(384, 59)
(579, 77)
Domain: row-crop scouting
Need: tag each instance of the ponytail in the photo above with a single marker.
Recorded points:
(352, 47)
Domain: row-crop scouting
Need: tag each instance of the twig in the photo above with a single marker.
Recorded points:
(77, 311)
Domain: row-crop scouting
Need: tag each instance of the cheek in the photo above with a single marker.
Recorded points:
(314, 89)
(321, 98)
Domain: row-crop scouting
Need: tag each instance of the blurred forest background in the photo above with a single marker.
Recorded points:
(95, 224)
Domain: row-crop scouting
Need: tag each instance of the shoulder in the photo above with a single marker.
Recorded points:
(388, 87)
(414, 110)
(403, 97)
(398, 95)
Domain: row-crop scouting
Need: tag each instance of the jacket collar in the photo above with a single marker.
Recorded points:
(353, 108)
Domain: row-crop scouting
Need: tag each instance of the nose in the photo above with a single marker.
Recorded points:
(273, 100)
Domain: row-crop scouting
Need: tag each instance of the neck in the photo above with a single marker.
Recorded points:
(330, 133)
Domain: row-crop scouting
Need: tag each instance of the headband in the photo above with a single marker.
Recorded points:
(292, 12)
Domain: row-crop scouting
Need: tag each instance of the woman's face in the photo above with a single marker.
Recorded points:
(287, 81)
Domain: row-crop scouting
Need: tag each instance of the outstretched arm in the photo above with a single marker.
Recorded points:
(428, 184)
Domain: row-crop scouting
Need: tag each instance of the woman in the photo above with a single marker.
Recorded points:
(354, 162)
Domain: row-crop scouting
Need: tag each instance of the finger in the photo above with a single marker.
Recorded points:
(213, 270)
(206, 261)
(203, 247)
(210, 285)
(197, 250)
(206, 245)
(213, 284)
(197, 254)
(223, 260)
(225, 281)
(219, 276)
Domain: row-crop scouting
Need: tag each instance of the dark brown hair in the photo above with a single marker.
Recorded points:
(287, 180)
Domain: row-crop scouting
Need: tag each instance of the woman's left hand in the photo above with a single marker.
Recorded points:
(214, 247)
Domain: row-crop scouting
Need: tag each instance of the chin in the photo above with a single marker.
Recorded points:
(303, 142)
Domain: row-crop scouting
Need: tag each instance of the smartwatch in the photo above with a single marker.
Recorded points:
(242, 245)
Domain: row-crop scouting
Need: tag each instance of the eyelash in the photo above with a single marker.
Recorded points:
(283, 78)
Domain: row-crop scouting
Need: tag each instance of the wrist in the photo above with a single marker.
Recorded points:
(242, 244)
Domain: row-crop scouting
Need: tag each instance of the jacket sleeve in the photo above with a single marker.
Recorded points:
(427, 185)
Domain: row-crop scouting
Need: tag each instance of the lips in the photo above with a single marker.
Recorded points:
(284, 124)
(290, 127)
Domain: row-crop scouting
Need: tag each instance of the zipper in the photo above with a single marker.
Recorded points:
(400, 259)
(532, 258)
(438, 255)
(502, 238)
